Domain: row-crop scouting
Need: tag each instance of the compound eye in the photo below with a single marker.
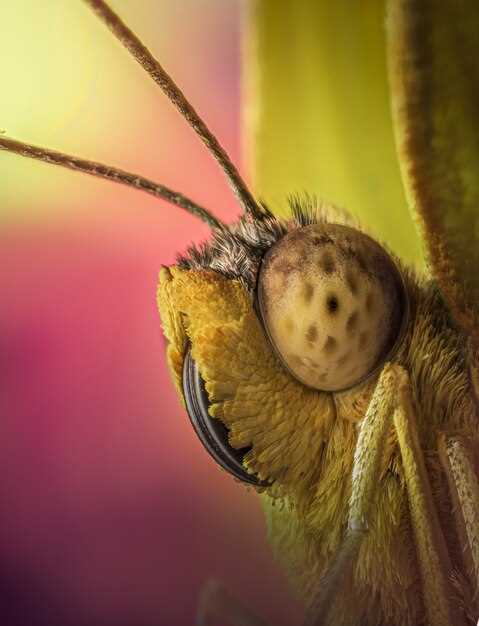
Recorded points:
(333, 304)
(211, 432)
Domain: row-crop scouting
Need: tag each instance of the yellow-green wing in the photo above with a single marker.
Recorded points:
(318, 112)
(434, 68)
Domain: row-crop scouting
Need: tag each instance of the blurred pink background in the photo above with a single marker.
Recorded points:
(112, 513)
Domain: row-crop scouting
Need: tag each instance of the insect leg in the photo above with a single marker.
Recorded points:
(434, 562)
(367, 456)
(392, 397)
(218, 607)
(463, 482)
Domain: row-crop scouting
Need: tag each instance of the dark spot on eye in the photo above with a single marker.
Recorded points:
(352, 322)
(343, 360)
(370, 302)
(312, 334)
(352, 282)
(332, 304)
(330, 345)
(327, 263)
(363, 340)
(307, 292)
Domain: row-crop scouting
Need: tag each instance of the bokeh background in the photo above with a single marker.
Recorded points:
(112, 513)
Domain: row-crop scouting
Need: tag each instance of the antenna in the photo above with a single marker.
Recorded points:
(110, 173)
(176, 96)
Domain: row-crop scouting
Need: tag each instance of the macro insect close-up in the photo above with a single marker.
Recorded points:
(325, 343)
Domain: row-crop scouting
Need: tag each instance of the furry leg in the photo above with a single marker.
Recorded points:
(392, 397)
(434, 561)
(364, 482)
(464, 486)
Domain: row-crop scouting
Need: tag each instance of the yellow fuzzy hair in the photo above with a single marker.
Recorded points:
(303, 440)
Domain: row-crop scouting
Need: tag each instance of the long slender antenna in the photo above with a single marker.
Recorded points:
(110, 173)
(158, 74)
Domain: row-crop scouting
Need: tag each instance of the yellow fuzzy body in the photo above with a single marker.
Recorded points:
(303, 440)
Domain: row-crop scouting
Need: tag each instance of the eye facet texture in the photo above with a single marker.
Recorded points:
(333, 304)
